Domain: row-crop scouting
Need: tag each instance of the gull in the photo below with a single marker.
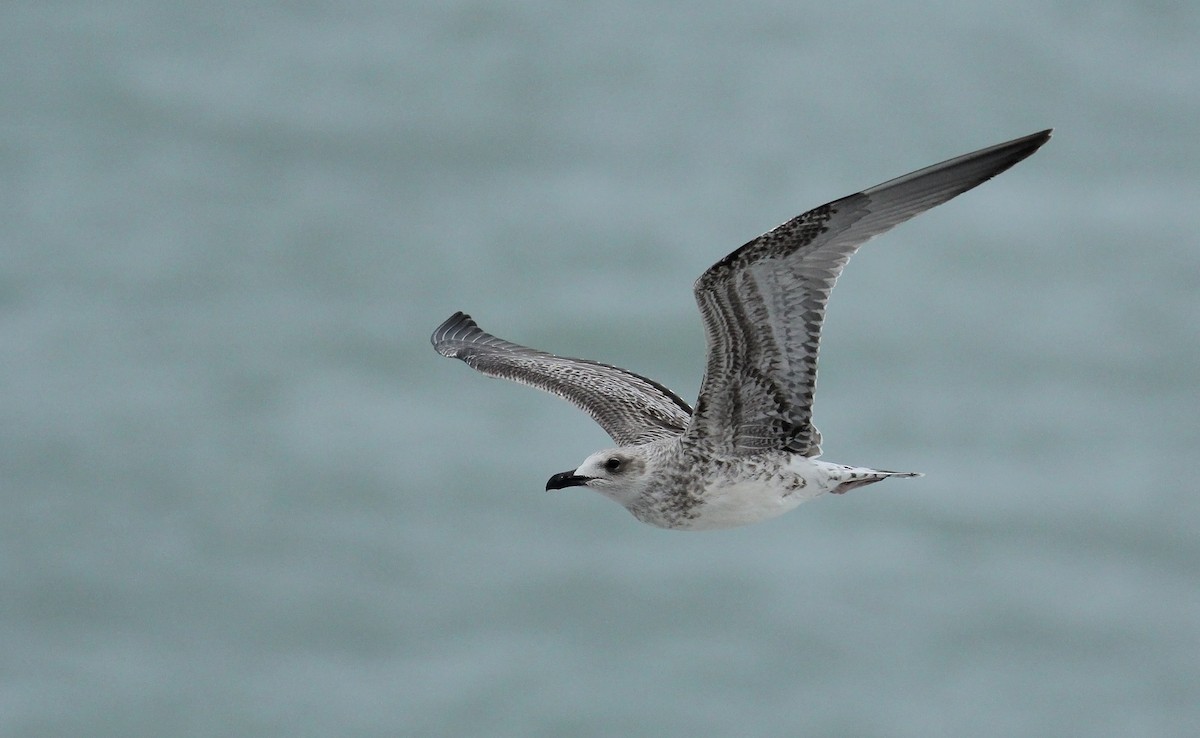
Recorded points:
(749, 450)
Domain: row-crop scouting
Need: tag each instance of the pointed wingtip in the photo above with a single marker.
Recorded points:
(933, 185)
(1025, 145)
(1040, 137)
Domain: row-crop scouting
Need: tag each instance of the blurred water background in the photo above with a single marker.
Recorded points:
(242, 496)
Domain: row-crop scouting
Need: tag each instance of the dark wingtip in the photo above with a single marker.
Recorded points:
(1010, 152)
(1036, 140)
(1024, 147)
(458, 321)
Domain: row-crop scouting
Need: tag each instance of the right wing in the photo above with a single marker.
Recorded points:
(763, 305)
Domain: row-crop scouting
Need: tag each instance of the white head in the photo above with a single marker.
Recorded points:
(617, 473)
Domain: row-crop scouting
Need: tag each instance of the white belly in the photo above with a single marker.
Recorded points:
(729, 505)
(761, 491)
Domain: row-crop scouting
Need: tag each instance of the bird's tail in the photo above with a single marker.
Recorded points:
(861, 477)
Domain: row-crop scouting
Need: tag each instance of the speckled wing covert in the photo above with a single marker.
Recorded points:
(629, 407)
(763, 304)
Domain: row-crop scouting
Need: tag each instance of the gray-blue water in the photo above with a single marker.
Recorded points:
(240, 494)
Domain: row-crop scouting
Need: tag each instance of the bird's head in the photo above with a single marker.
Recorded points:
(620, 474)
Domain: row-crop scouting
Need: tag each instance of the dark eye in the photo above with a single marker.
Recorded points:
(613, 464)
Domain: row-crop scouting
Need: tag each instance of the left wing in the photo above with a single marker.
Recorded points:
(629, 407)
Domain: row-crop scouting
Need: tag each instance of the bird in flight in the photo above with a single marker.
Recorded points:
(749, 450)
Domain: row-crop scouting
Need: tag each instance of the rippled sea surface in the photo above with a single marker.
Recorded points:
(242, 496)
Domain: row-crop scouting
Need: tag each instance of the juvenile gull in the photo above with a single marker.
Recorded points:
(748, 452)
